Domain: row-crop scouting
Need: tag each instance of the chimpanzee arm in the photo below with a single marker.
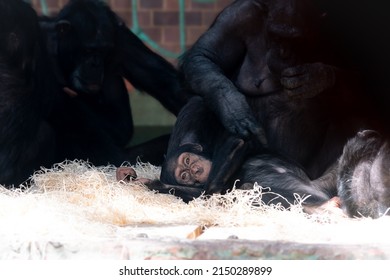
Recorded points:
(184, 192)
(148, 71)
(212, 61)
(228, 158)
(115, 116)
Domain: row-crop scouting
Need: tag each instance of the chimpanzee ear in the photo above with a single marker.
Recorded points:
(198, 147)
(63, 27)
(13, 42)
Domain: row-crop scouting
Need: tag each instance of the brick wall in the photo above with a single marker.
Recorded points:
(159, 19)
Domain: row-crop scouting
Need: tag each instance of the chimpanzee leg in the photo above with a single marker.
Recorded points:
(283, 181)
(186, 193)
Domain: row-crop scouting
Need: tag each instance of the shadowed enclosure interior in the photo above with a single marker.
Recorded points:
(168, 27)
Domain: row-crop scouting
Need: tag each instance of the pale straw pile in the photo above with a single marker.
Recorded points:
(77, 201)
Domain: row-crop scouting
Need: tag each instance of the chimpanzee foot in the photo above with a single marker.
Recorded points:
(332, 206)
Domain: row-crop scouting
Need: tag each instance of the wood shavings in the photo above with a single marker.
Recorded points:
(77, 201)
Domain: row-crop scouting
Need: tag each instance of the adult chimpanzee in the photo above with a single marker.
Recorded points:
(26, 92)
(94, 50)
(268, 71)
(202, 156)
(364, 175)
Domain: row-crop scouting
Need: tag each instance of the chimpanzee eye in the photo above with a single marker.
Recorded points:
(184, 176)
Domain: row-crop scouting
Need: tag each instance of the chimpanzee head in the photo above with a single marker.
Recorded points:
(187, 166)
(292, 26)
(291, 18)
(19, 34)
(86, 38)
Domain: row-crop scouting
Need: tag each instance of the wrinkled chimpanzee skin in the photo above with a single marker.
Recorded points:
(94, 52)
(26, 140)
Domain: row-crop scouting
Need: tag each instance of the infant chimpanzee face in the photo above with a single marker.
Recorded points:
(192, 169)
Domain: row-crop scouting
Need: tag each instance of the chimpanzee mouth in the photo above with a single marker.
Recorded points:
(93, 88)
(86, 87)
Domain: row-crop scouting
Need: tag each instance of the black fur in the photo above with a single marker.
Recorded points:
(94, 52)
(364, 175)
(27, 142)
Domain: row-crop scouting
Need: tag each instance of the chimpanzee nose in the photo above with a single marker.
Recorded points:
(196, 169)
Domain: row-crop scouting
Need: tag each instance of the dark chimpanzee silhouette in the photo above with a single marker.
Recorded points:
(94, 51)
(26, 92)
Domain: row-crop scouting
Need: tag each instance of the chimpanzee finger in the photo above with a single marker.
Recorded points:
(293, 82)
(144, 181)
(247, 128)
(125, 174)
(302, 92)
(70, 92)
(255, 133)
(294, 71)
(261, 137)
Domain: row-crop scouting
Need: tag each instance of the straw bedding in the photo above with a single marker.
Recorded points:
(75, 203)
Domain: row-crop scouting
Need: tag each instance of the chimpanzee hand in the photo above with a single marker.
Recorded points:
(125, 174)
(308, 80)
(238, 119)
